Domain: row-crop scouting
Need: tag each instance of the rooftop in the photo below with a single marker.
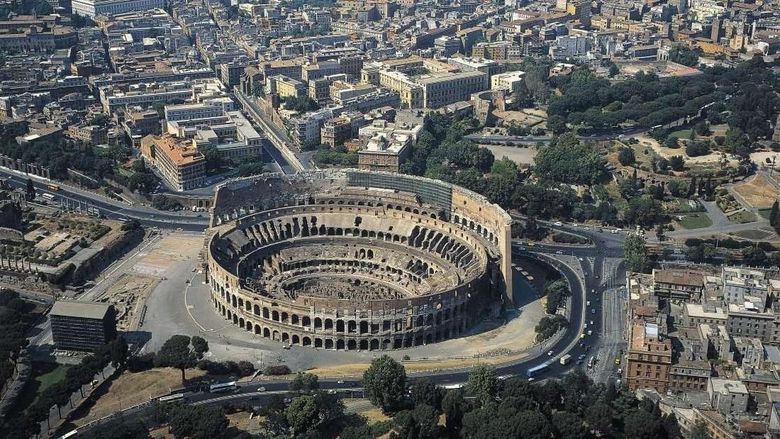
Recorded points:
(87, 310)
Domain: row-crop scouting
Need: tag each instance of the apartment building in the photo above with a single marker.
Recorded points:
(385, 152)
(285, 86)
(727, 396)
(447, 88)
(180, 164)
(82, 326)
(140, 123)
(339, 129)
(739, 282)
(678, 284)
(750, 319)
(649, 358)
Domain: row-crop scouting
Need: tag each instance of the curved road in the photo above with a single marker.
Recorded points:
(112, 209)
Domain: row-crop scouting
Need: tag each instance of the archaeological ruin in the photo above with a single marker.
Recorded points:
(348, 259)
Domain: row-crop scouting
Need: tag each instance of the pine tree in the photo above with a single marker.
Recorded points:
(774, 216)
(692, 187)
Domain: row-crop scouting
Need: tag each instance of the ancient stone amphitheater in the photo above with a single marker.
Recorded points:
(356, 259)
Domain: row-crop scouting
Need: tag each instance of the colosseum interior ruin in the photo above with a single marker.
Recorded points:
(356, 259)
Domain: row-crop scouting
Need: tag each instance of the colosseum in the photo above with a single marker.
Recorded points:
(348, 259)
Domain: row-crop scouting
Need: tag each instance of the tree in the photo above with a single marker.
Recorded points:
(483, 383)
(308, 413)
(30, 192)
(556, 124)
(677, 188)
(568, 425)
(599, 417)
(420, 423)
(197, 422)
(635, 253)
(566, 160)
(677, 163)
(176, 352)
(425, 392)
(613, 70)
(199, 345)
(695, 149)
(626, 156)
(548, 326)
(385, 383)
(304, 382)
(640, 424)
(453, 405)
(118, 352)
(671, 141)
(774, 216)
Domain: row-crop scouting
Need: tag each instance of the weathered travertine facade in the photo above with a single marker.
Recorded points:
(355, 259)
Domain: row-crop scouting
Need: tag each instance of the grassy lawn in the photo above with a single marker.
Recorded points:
(682, 134)
(43, 376)
(697, 220)
(752, 234)
(743, 217)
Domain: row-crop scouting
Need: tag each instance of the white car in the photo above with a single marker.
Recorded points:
(261, 389)
(549, 354)
(558, 223)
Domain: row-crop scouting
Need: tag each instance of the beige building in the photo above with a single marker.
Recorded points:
(180, 163)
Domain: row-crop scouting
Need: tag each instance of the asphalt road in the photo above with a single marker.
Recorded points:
(112, 209)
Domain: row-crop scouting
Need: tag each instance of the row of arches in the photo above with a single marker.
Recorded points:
(440, 317)
(399, 341)
(476, 227)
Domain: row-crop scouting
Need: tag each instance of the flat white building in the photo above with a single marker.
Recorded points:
(513, 82)
(93, 8)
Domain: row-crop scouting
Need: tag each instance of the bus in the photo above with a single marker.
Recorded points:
(171, 398)
(453, 386)
(565, 360)
(223, 387)
(47, 196)
(532, 372)
(69, 434)
(53, 187)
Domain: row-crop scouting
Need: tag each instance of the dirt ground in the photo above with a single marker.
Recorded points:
(173, 248)
(758, 192)
(711, 159)
(134, 388)
(364, 408)
(527, 118)
(352, 370)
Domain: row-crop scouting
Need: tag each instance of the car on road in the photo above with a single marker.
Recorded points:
(340, 382)
(581, 357)
(587, 303)
(591, 322)
(558, 223)
(549, 354)
(261, 389)
(617, 361)
(593, 310)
